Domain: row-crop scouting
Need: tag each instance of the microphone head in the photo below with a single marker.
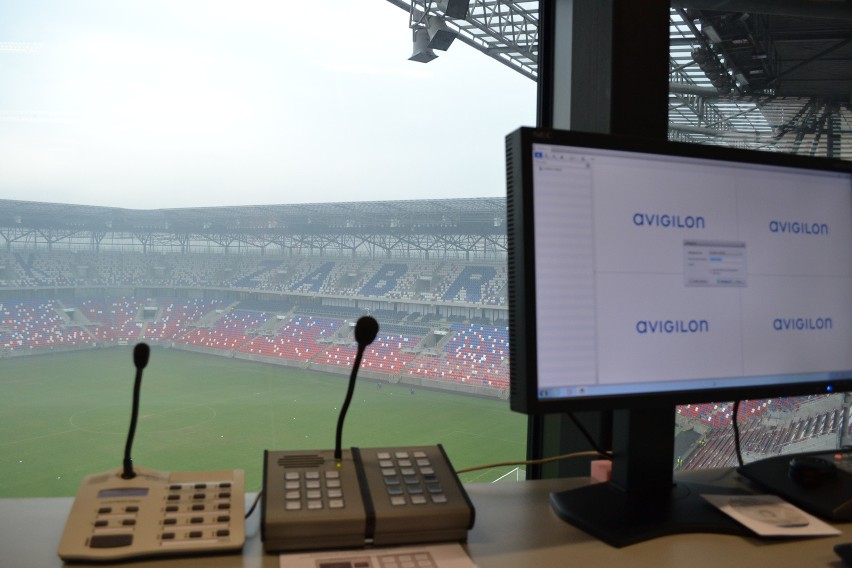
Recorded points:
(366, 330)
(140, 355)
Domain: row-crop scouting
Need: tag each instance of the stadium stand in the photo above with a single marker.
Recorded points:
(300, 311)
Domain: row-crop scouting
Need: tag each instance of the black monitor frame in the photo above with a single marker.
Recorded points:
(643, 500)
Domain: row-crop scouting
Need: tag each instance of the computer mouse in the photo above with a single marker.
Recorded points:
(811, 470)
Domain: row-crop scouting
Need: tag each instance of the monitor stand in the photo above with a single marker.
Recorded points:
(643, 500)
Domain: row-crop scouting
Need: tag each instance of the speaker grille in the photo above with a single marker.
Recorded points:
(301, 460)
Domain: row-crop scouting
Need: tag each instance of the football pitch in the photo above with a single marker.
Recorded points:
(64, 416)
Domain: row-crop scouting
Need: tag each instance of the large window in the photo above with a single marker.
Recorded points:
(235, 183)
(775, 82)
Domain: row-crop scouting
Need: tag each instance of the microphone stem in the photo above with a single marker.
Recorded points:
(134, 416)
(338, 452)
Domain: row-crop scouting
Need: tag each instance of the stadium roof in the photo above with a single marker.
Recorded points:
(438, 216)
(762, 74)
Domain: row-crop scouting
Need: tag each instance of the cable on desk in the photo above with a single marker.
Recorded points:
(589, 438)
(254, 505)
(534, 462)
(736, 425)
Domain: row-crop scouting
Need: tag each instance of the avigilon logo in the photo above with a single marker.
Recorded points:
(668, 221)
(802, 324)
(668, 327)
(798, 227)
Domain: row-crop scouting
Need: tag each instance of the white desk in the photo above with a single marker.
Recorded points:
(515, 527)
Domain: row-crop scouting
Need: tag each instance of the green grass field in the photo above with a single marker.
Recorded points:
(65, 416)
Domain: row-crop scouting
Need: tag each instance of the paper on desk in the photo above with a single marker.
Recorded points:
(768, 515)
(427, 556)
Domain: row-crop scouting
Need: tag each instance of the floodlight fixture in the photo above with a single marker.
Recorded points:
(455, 9)
(440, 36)
(422, 53)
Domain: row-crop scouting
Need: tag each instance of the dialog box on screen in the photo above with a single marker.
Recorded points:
(714, 263)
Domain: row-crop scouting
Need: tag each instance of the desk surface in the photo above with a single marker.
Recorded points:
(514, 527)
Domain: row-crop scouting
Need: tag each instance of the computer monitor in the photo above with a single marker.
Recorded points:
(645, 275)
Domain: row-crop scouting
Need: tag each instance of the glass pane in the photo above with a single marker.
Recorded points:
(776, 82)
(235, 183)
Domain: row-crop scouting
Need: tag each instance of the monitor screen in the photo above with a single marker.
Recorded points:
(642, 273)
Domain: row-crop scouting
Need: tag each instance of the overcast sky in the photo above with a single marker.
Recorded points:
(182, 103)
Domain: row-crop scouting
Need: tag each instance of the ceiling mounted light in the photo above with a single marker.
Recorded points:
(440, 36)
(455, 9)
(422, 53)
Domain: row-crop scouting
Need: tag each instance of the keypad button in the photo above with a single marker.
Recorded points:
(398, 501)
(110, 540)
(335, 504)
(418, 500)
(386, 463)
(314, 494)
(440, 498)
(291, 485)
(383, 455)
(332, 475)
(312, 475)
(332, 483)
(291, 495)
(292, 476)
(223, 532)
(293, 505)
(334, 493)
(313, 505)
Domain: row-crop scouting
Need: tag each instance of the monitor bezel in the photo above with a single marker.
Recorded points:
(521, 273)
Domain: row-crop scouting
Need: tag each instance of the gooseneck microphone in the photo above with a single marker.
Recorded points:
(140, 359)
(366, 329)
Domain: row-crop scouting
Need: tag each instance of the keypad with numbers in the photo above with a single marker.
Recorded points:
(409, 478)
(371, 496)
(155, 513)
